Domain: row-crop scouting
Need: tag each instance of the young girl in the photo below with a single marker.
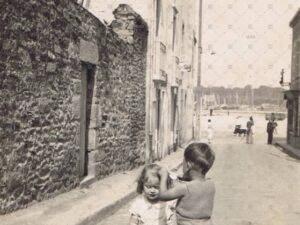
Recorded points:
(195, 195)
(147, 209)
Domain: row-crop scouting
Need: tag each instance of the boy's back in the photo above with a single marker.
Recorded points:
(198, 202)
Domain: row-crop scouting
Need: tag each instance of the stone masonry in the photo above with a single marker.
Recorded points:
(41, 55)
(121, 95)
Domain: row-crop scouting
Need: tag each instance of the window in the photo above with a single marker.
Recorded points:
(173, 107)
(163, 57)
(159, 19)
(182, 37)
(182, 32)
(175, 12)
(158, 108)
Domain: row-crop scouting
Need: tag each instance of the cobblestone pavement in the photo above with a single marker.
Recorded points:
(256, 184)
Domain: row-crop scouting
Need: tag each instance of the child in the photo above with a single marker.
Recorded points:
(209, 131)
(196, 195)
(147, 209)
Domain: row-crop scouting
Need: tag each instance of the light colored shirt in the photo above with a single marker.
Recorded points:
(149, 213)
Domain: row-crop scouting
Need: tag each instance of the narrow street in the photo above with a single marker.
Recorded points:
(256, 184)
(92, 90)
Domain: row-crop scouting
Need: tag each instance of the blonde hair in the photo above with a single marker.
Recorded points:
(143, 177)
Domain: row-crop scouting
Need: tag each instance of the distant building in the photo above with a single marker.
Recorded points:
(293, 95)
(173, 68)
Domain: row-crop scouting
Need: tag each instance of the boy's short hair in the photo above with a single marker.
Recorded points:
(201, 155)
(141, 179)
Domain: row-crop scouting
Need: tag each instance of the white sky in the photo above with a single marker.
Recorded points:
(251, 38)
(252, 41)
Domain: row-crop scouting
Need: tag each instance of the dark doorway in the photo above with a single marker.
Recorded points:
(174, 112)
(158, 119)
(87, 91)
(160, 94)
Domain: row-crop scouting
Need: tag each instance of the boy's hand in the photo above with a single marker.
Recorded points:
(163, 172)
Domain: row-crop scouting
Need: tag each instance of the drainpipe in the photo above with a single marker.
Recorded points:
(198, 94)
(148, 132)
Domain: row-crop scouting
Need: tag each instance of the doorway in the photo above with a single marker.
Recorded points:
(174, 117)
(158, 119)
(87, 92)
(159, 123)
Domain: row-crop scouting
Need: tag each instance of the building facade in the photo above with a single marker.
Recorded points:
(293, 95)
(173, 69)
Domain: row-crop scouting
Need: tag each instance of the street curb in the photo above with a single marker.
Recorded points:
(288, 150)
(109, 210)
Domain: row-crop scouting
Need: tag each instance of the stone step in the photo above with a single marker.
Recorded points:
(91, 169)
(87, 181)
(91, 176)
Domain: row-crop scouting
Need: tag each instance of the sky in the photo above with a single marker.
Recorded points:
(251, 40)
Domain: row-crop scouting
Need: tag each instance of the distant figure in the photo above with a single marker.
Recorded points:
(271, 127)
(249, 137)
(211, 112)
(210, 131)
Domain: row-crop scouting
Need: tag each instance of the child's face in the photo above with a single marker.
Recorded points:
(151, 186)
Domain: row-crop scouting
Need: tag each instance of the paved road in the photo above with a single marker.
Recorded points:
(256, 184)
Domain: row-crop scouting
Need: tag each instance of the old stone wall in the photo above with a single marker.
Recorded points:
(40, 83)
(121, 93)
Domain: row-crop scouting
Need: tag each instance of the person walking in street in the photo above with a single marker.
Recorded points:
(249, 137)
(210, 131)
(195, 195)
(271, 127)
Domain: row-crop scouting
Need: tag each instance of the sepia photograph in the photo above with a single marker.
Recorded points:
(149, 112)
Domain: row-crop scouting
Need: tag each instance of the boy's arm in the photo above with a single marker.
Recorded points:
(170, 194)
(174, 193)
